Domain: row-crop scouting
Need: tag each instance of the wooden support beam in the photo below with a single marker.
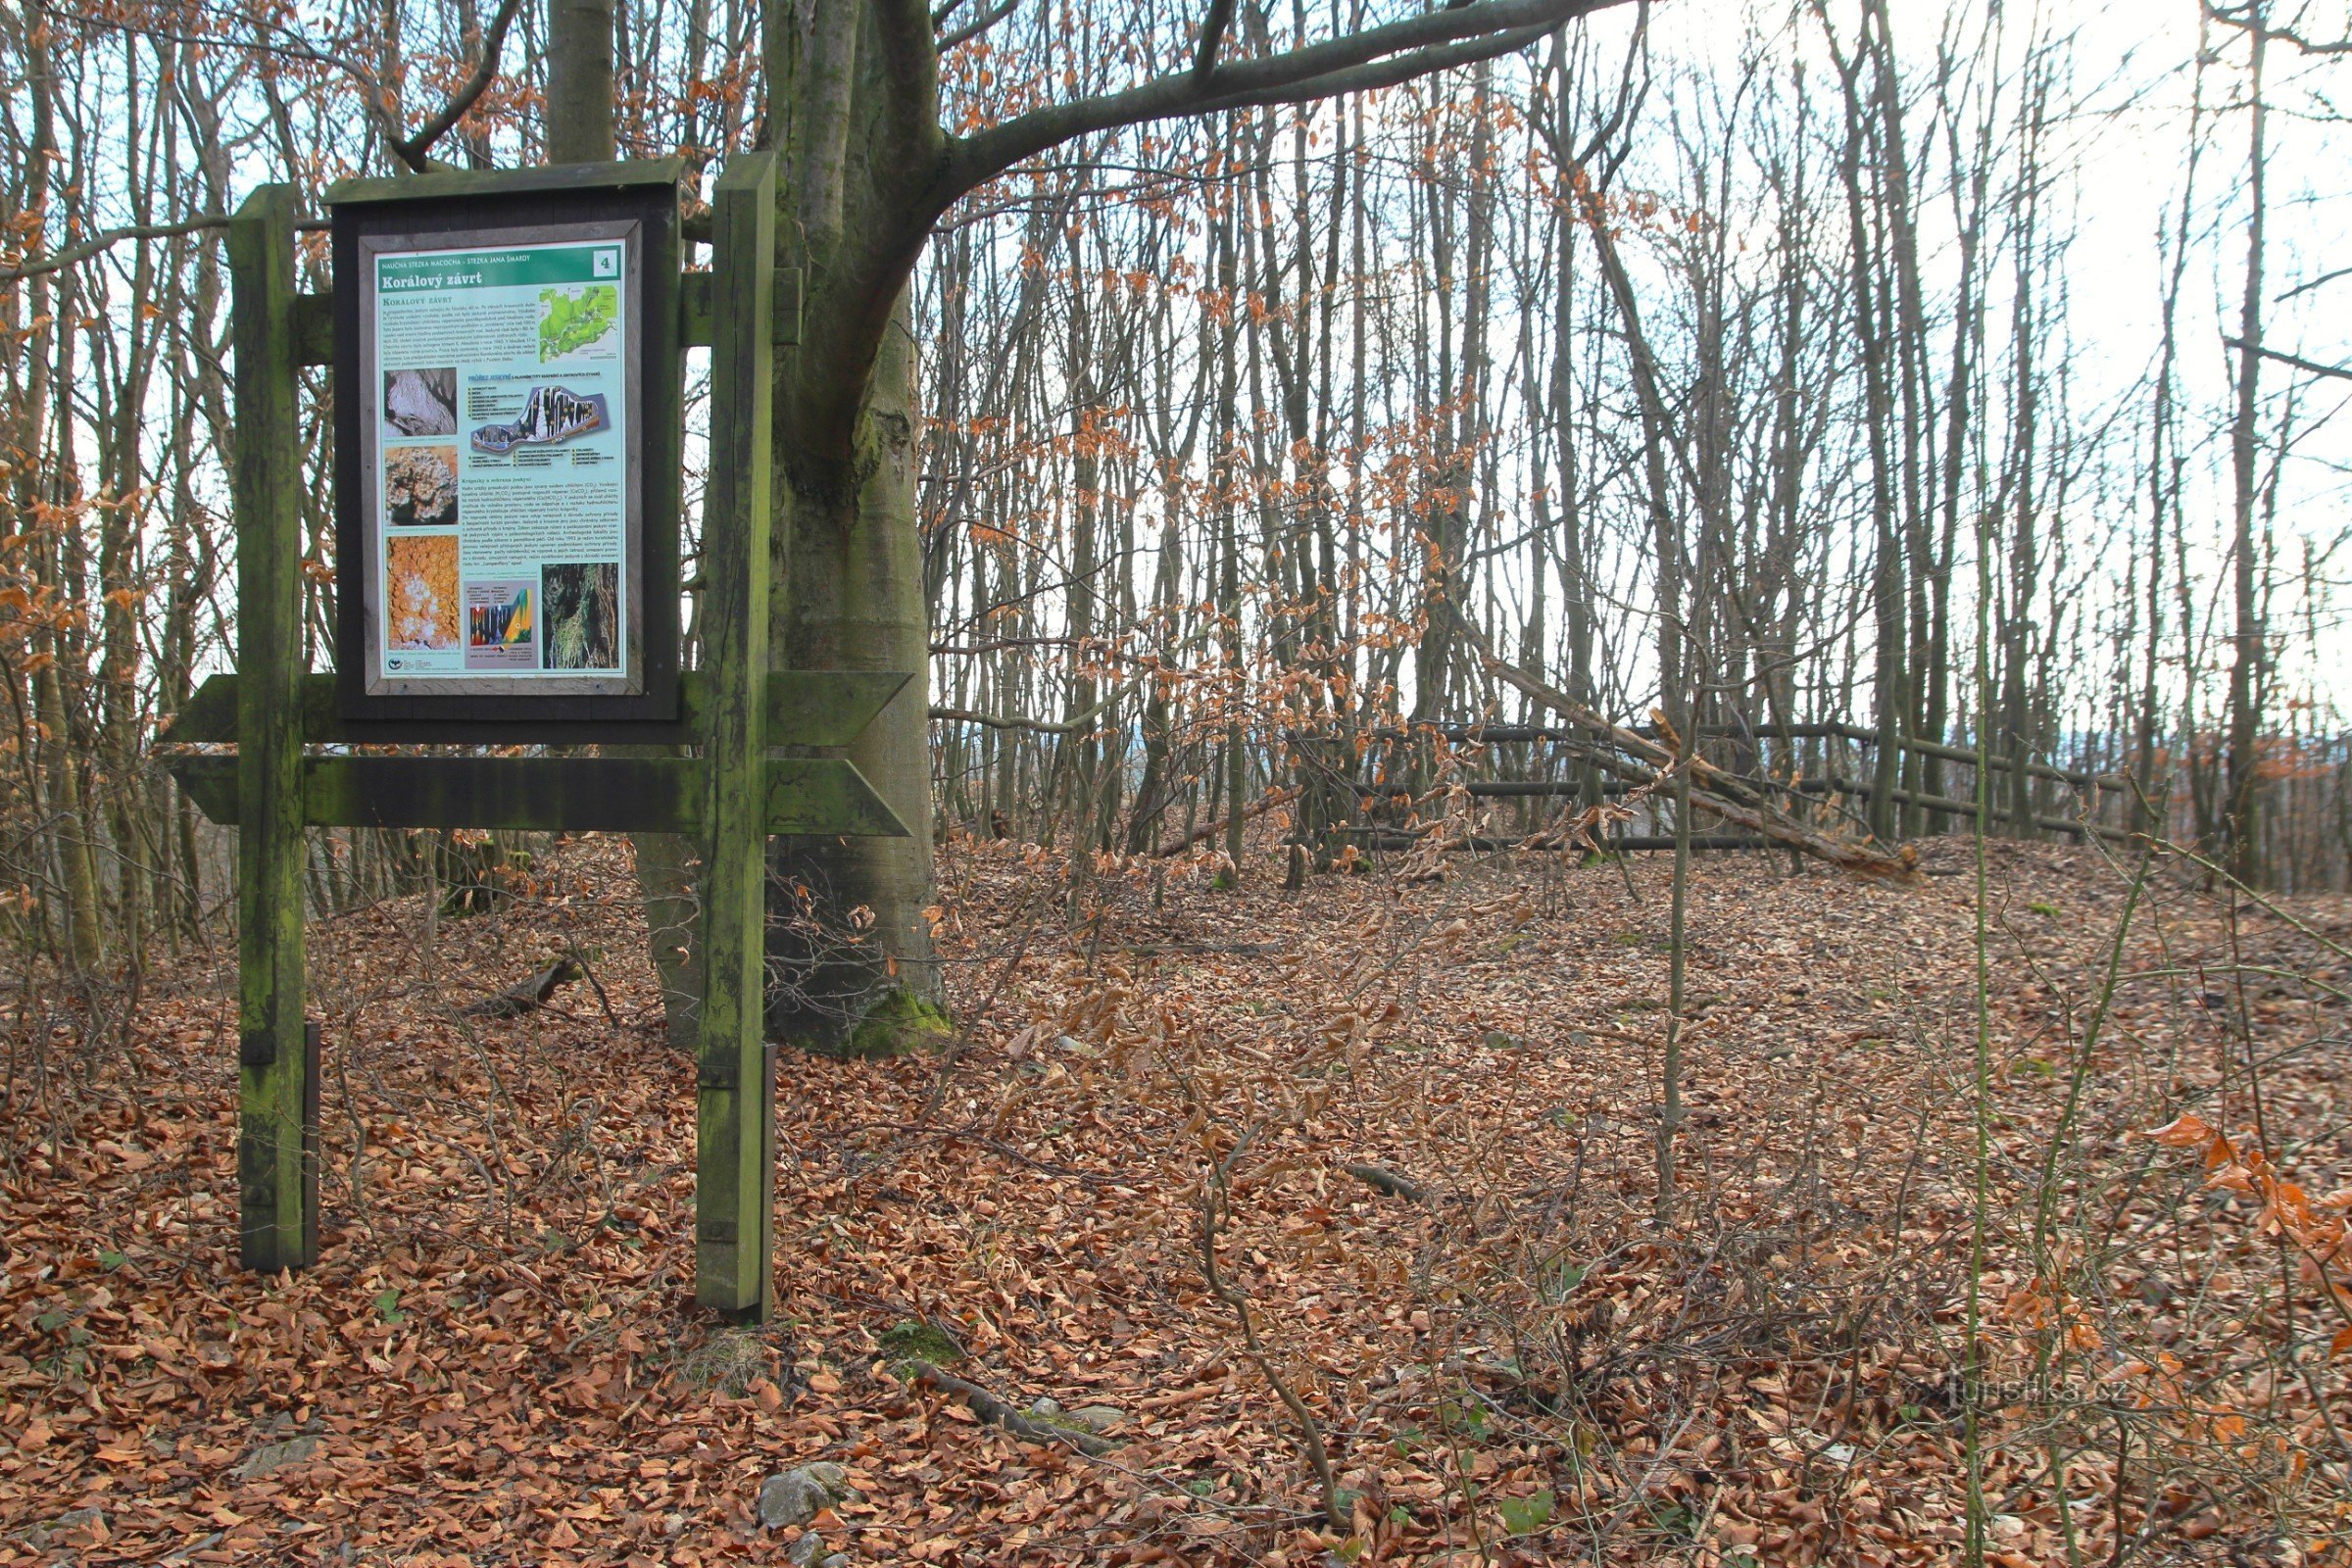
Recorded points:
(804, 708)
(313, 329)
(734, 1139)
(638, 171)
(549, 794)
(697, 328)
(2056, 775)
(694, 310)
(276, 1136)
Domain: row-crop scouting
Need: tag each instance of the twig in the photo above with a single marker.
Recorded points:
(1266, 802)
(1216, 1203)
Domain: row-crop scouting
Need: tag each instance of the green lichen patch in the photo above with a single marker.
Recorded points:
(916, 1340)
(899, 1023)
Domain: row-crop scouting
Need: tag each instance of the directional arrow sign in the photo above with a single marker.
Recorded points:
(544, 794)
(804, 708)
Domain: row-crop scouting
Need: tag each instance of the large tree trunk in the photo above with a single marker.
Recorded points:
(838, 982)
(579, 81)
(852, 107)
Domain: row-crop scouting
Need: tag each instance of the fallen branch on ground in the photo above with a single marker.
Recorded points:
(1271, 799)
(988, 1407)
(1216, 1206)
(1382, 1179)
(529, 996)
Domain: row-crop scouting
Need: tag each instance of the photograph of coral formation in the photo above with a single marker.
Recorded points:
(422, 401)
(421, 585)
(420, 488)
(579, 605)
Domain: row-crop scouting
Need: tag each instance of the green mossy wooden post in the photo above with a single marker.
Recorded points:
(276, 1171)
(734, 1227)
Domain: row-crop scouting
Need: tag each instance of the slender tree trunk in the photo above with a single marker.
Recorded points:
(2164, 467)
(2243, 820)
(67, 808)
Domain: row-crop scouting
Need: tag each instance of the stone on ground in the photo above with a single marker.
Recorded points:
(793, 1497)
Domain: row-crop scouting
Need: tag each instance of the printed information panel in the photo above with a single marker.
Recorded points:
(500, 460)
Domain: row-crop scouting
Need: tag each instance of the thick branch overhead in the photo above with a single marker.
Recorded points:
(1401, 50)
(412, 149)
(1213, 35)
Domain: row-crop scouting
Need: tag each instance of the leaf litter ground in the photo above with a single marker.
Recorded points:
(1434, 1103)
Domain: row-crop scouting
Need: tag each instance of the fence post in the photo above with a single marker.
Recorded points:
(276, 1171)
(735, 1115)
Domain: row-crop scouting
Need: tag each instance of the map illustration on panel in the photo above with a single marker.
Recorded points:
(574, 319)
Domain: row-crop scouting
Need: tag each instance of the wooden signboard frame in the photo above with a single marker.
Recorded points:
(727, 785)
(636, 202)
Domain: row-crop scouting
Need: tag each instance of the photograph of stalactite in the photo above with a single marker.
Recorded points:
(422, 401)
(579, 608)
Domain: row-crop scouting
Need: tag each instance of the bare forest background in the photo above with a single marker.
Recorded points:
(1861, 389)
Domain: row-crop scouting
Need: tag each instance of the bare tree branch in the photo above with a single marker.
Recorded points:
(2312, 366)
(974, 28)
(375, 97)
(72, 253)
(1387, 73)
(1213, 35)
(2249, 21)
(412, 149)
(1375, 57)
(75, 255)
(2321, 281)
(407, 149)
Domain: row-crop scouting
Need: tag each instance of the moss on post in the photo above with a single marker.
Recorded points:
(735, 1124)
(277, 1171)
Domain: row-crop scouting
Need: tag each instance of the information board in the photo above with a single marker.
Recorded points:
(500, 464)
(507, 366)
